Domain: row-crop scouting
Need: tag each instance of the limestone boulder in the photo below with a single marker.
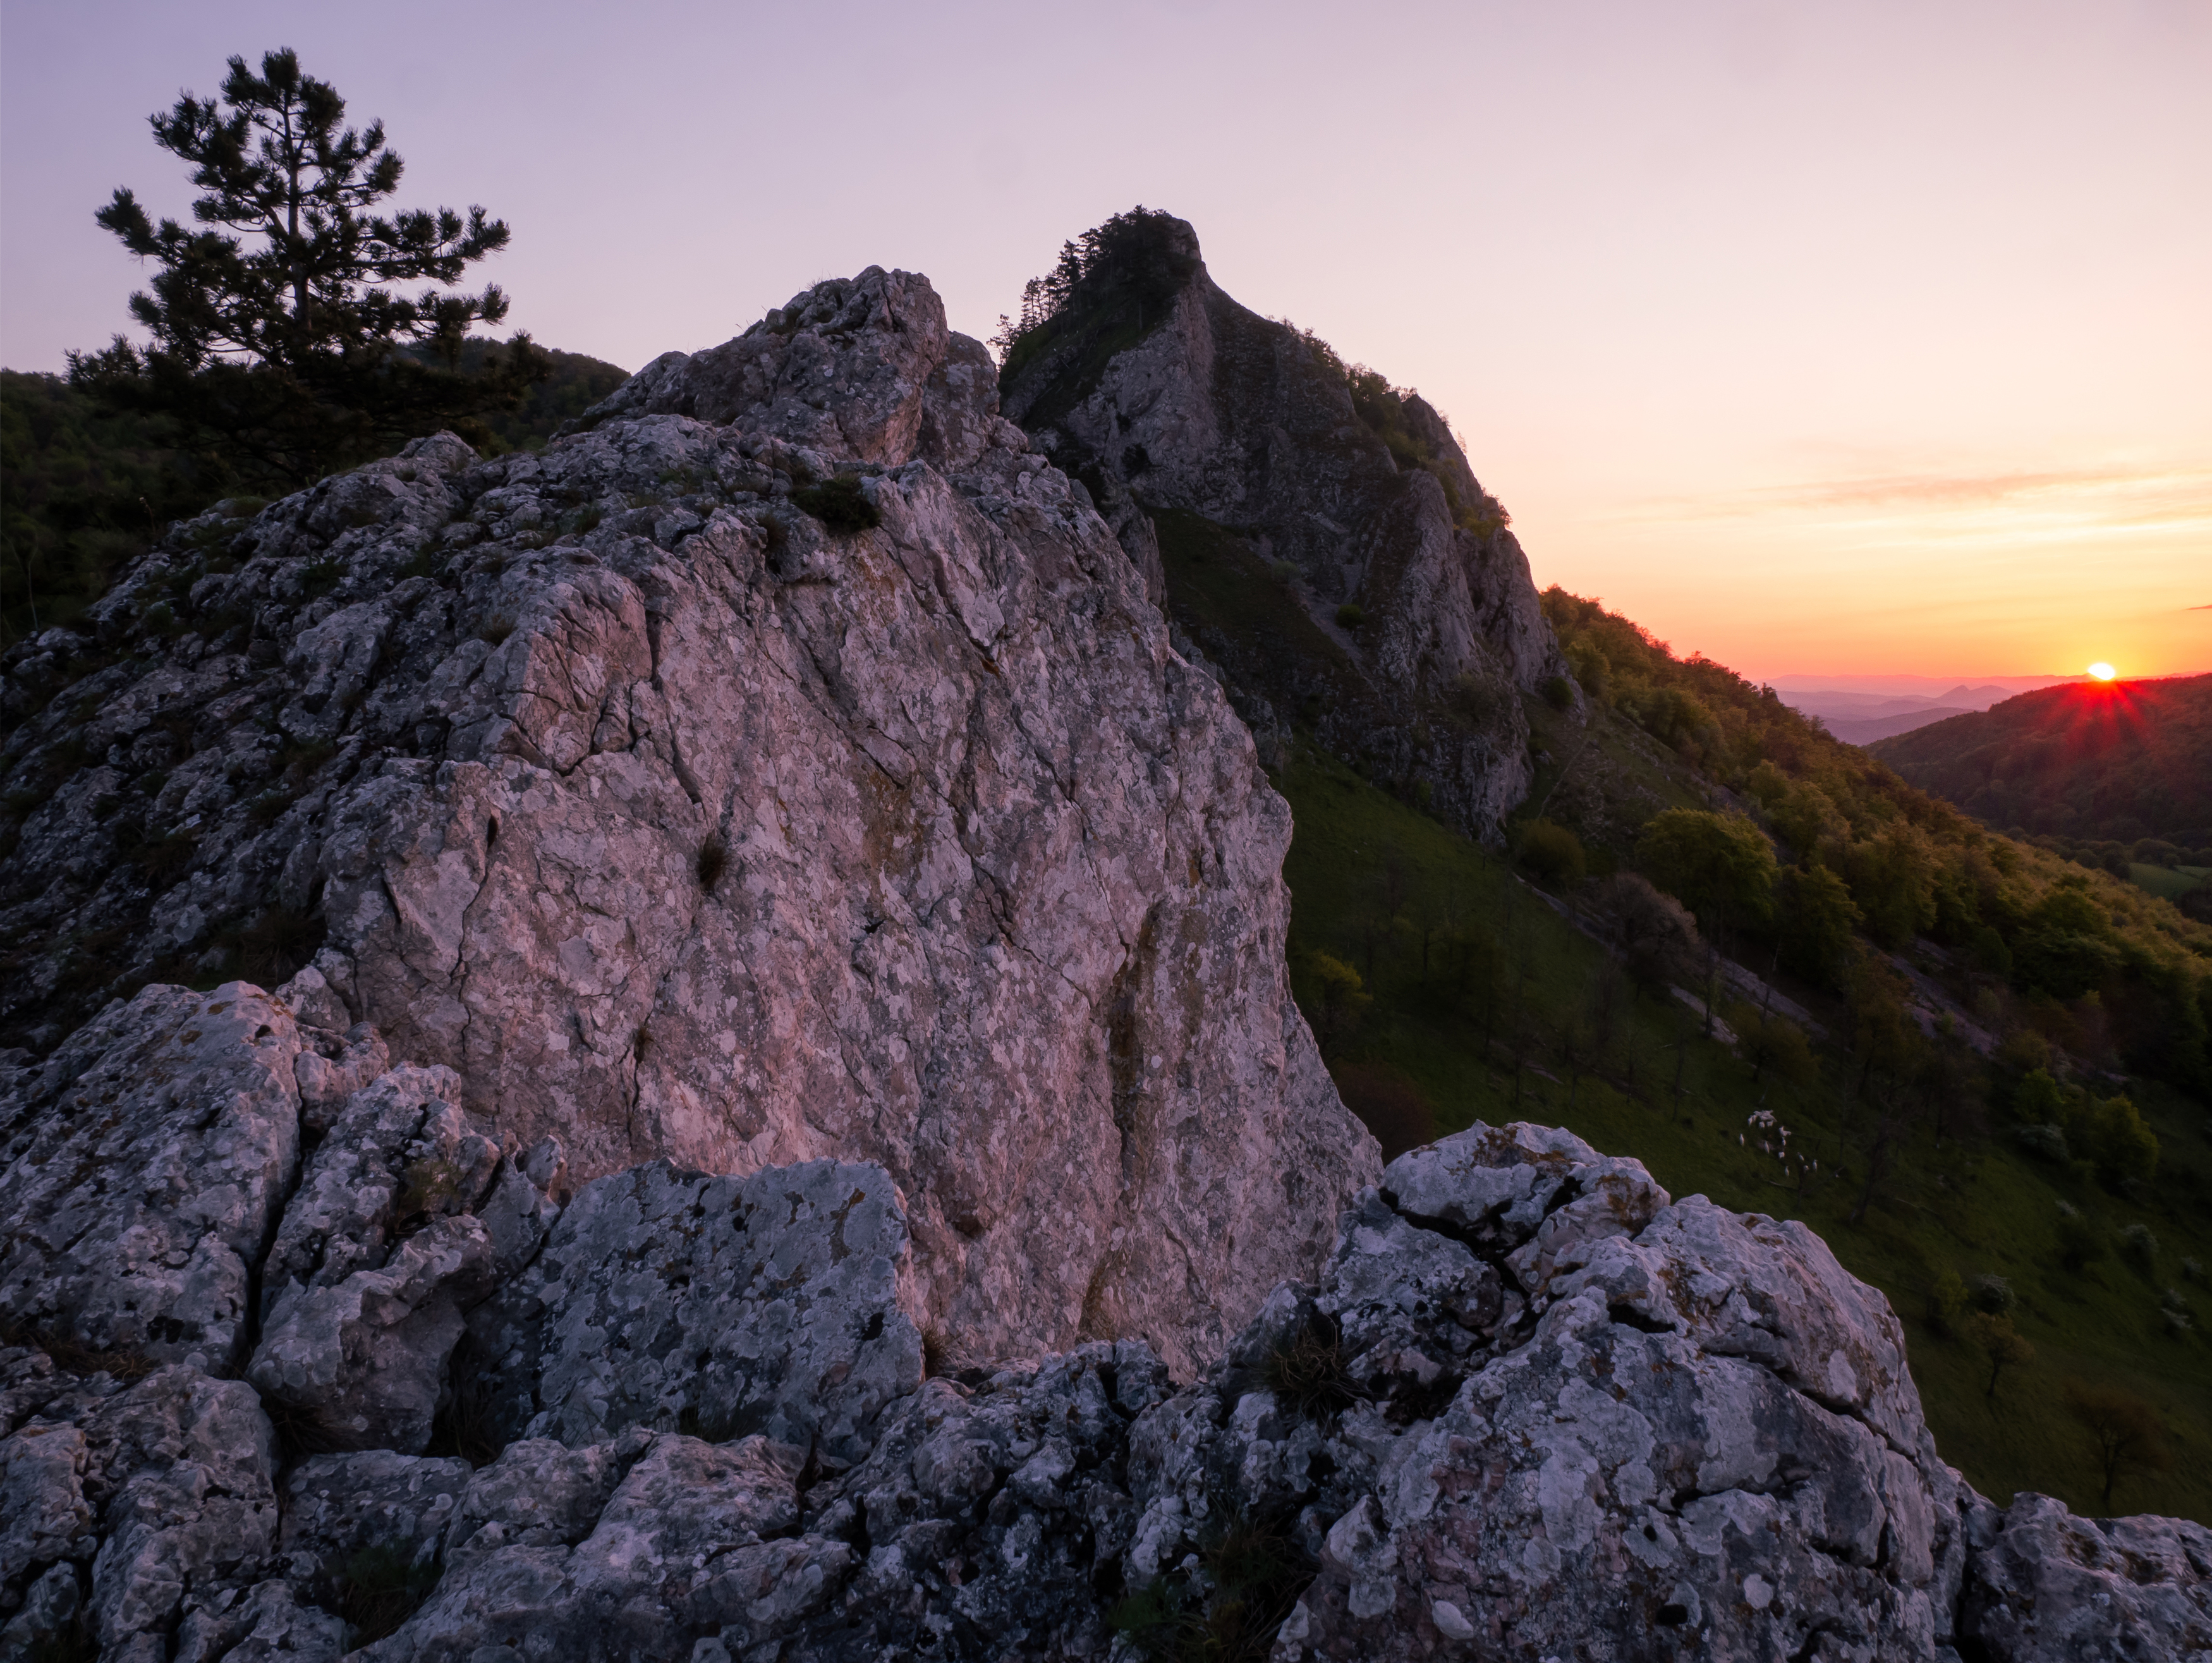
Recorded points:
(2046, 1585)
(142, 1172)
(786, 764)
(775, 1304)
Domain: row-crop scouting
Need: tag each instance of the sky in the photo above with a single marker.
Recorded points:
(1828, 339)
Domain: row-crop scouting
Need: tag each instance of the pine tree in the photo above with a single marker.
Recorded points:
(282, 344)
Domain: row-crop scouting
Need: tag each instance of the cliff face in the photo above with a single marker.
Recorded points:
(1218, 413)
(1529, 1407)
(787, 765)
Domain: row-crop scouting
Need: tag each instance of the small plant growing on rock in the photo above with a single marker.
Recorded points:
(1308, 1373)
(1559, 692)
(428, 1189)
(840, 503)
(1248, 1579)
(380, 1589)
(714, 861)
(1351, 616)
(276, 945)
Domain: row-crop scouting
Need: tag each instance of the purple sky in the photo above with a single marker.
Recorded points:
(1856, 338)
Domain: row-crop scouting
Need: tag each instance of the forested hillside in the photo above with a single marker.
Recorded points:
(2117, 761)
(1756, 959)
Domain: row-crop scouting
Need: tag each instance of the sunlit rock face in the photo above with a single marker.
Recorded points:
(1528, 1407)
(684, 808)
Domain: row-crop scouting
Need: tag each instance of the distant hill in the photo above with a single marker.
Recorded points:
(1865, 730)
(2121, 761)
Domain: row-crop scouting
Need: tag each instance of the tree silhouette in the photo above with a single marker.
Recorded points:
(278, 319)
(2001, 1344)
(2124, 1431)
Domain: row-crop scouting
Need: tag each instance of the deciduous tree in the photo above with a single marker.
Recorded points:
(2125, 1435)
(1719, 866)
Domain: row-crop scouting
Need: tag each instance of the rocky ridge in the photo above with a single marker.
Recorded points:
(1238, 437)
(786, 764)
(1530, 1407)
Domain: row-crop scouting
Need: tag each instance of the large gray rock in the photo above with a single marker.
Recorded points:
(181, 1471)
(337, 1508)
(379, 1255)
(724, 1306)
(685, 1547)
(141, 1171)
(679, 822)
(2047, 1586)
(1532, 1408)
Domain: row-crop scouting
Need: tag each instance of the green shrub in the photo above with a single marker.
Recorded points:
(379, 1589)
(1559, 692)
(2080, 1244)
(164, 859)
(2111, 1134)
(2039, 1099)
(277, 945)
(1553, 853)
(840, 503)
(1351, 616)
(1946, 1304)
(713, 861)
(2044, 1142)
(2139, 1247)
(1990, 1295)
(1308, 1371)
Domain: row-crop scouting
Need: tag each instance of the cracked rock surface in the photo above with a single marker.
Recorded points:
(1530, 1407)
(684, 814)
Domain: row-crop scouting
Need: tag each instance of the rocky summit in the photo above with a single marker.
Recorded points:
(787, 765)
(441, 1407)
(764, 1118)
(1225, 446)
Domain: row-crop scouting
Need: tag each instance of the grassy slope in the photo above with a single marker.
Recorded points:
(1978, 1207)
(2166, 882)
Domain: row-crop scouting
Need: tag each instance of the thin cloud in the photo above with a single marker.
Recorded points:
(2132, 496)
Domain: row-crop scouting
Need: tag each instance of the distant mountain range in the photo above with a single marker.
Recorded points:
(1860, 715)
(2122, 760)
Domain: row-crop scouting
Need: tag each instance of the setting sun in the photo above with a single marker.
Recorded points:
(2103, 671)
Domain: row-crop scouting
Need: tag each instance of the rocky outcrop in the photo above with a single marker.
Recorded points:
(1530, 1407)
(786, 765)
(1215, 414)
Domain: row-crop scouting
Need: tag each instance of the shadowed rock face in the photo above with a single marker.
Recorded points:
(678, 820)
(1222, 413)
(1530, 1407)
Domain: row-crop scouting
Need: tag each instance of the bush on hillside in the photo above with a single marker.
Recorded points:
(1553, 853)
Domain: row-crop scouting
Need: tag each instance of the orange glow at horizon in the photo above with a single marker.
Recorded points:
(2103, 671)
